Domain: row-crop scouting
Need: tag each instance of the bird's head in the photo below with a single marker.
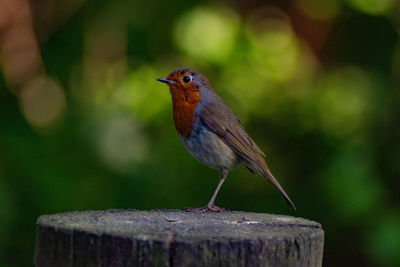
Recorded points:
(187, 88)
(185, 81)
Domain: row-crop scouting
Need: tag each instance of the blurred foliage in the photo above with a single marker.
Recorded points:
(85, 125)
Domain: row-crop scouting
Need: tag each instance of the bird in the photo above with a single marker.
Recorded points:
(211, 132)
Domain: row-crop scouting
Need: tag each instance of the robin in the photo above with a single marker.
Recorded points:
(211, 132)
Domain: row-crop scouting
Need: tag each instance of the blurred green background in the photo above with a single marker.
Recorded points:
(85, 125)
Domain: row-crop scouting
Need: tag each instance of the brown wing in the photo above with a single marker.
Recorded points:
(221, 120)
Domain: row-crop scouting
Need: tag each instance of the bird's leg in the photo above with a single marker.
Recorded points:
(210, 206)
(223, 174)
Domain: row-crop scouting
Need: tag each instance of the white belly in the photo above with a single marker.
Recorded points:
(210, 149)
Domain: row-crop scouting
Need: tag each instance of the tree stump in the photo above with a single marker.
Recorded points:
(176, 238)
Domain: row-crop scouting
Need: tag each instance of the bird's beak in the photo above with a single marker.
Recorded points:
(165, 80)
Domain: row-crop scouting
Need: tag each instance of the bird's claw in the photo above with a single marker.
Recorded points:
(206, 208)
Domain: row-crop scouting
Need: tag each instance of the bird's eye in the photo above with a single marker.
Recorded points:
(187, 79)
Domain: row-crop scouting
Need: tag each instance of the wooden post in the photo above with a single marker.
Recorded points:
(176, 238)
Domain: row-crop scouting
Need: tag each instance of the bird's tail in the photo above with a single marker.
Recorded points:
(264, 171)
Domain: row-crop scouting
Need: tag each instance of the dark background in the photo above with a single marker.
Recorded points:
(84, 124)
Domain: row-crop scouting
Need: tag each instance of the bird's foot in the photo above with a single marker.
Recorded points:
(206, 208)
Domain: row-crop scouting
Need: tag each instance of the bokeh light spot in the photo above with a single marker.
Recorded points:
(321, 10)
(274, 47)
(142, 95)
(343, 101)
(207, 33)
(42, 101)
(246, 85)
(371, 7)
(352, 184)
(122, 144)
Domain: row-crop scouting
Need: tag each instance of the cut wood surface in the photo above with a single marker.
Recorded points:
(176, 238)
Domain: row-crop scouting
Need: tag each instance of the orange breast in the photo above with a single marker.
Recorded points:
(184, 103)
